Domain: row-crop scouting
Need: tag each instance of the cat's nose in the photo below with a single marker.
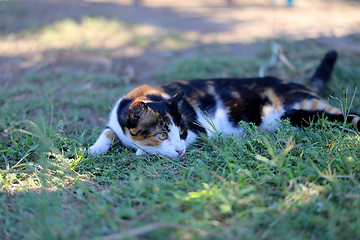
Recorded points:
(179, 151)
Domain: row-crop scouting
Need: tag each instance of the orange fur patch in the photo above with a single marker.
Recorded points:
(314, 105)
(146, 122)
(151, 140)
(274, 99)
(235, 106)
(140, 92)
(236, 95)
(111, 135)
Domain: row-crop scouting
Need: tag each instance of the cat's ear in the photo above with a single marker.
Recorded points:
(174, 101)
(136, 110)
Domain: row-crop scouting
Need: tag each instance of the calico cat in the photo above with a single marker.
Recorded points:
(166, 119)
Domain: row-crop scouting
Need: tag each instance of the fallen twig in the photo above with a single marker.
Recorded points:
(277, 54)
(138, 231)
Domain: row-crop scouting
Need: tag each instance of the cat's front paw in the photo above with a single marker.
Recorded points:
(95, 150)
(103, 143)
(140, 152)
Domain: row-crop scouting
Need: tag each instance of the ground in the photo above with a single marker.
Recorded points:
(157, 31)
(63, 64)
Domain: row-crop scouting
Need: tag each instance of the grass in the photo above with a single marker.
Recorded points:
(289, 185)
(98, 34)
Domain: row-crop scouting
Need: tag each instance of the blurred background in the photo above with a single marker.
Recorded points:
(136, 36)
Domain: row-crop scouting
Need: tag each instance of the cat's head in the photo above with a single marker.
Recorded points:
(156, 127)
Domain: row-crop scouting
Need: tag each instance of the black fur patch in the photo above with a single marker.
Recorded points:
(189, 117)
(161, 107)
(303, 118)
(122, 111)
(155, 98)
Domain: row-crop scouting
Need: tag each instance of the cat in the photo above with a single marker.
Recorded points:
(167, 119)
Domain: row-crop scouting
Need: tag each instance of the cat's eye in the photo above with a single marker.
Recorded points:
(162, 136)
(181, 132)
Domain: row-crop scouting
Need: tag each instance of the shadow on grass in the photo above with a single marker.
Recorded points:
(25, 16)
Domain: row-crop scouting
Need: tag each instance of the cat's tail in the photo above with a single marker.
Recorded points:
(323, 72)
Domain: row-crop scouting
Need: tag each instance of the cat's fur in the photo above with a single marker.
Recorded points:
(166, 119)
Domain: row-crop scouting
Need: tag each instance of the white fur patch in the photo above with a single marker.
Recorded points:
(269, 116)
(101, 145)
(191, 138)
(221, 122)
(115, 126)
